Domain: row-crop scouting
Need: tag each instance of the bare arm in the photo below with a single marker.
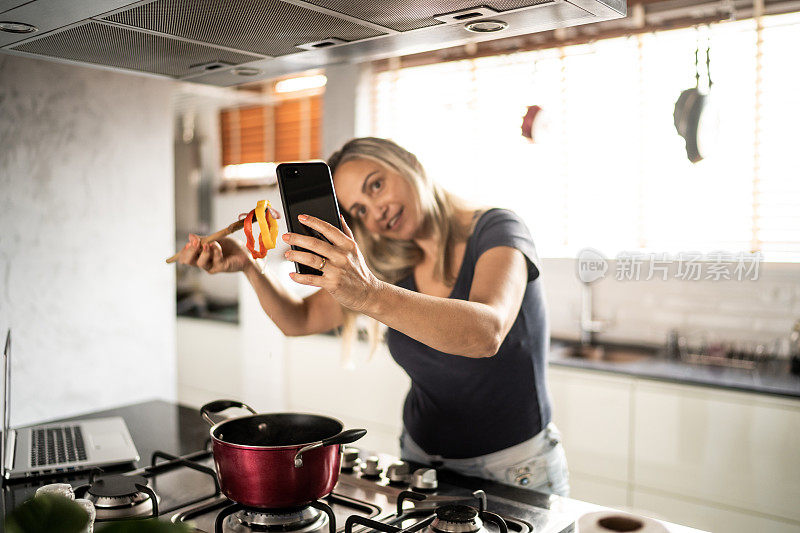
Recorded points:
(293, 316)
(473, 328)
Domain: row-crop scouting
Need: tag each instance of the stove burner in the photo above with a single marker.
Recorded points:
(115, 486)
(305, 519)
(459, 514)
(124, 496)
(107, 507)
(451, 518)
(118, 496)
(457, 519)
(317, 517)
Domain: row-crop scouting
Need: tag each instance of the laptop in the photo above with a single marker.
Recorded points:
(48, 449)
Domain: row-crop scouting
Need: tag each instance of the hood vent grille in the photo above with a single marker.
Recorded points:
(104, 44)
(406, 15)
(268, 27)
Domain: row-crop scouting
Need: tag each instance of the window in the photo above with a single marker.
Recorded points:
(255, 138)
(614, 173)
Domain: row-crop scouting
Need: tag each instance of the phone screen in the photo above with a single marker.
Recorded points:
(307, 188)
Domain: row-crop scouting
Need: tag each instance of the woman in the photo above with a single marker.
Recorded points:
(459, 290)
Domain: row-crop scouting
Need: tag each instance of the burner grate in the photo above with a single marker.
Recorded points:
(237, 508)
(430, 518)
(203, 517)
(122, 496)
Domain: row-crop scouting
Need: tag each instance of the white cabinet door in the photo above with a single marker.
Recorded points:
(209, 361)
(592, 410)
(263, 345)
(706, 516)
(736, 449)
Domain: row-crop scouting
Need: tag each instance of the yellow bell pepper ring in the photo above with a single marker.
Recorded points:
(273, 228)
(267, 224)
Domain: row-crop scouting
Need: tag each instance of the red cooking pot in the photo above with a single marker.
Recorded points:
(279, 460)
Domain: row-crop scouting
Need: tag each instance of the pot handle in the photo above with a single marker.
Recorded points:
(345, 437)
(220, 405)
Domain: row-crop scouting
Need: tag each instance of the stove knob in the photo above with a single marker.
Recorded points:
(424, 479)
(398, 472)
(349, 458)
(370, 467)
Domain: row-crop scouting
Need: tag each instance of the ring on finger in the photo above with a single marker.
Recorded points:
(323, 264)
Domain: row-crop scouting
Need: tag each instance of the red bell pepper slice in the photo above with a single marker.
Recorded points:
(248, 232)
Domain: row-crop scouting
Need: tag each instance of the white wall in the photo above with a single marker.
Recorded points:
(87, 219)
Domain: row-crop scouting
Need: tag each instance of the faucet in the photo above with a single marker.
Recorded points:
(794, 365)
(589, 326)
(795, 339)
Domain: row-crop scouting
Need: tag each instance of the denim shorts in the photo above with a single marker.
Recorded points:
(537, 464)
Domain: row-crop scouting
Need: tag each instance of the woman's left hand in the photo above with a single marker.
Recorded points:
(345, 274)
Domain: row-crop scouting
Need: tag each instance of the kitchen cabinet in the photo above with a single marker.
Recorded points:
(709, 458)
(592, 411)
(735, 449)
(706, 515)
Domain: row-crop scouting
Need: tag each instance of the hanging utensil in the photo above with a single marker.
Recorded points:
(693, 116)
(535, 123)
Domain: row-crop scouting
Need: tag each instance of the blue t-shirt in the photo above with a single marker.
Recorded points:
(460, 407)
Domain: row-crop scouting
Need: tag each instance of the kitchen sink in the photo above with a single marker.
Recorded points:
(604, 352)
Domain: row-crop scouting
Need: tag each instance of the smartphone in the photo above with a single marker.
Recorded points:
(307, 188)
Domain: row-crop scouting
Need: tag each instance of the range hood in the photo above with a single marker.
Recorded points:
(230, 42)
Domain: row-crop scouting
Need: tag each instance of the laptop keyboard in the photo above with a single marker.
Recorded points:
(57, 445)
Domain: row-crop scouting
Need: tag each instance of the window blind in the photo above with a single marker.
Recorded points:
(288, 130)
(612, 172)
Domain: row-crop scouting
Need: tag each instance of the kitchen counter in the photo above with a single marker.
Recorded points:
(203, 306)
(160, 425)
(769, 378)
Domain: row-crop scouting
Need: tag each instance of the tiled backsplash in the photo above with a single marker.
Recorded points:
(759, 311)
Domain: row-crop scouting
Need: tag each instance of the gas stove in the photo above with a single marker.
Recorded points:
(374, 493)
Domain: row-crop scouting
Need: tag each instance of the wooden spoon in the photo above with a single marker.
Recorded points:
(224, 232)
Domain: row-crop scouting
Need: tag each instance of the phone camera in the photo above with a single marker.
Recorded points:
(295, 171)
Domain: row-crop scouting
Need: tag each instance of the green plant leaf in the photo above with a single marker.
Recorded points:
(51, 513)
(48, 513)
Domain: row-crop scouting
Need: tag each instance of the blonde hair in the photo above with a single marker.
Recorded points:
(389, 259)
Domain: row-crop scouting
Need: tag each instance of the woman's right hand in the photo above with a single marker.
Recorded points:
(225, 255)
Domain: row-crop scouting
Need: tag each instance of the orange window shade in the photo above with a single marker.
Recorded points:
(288, 130)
